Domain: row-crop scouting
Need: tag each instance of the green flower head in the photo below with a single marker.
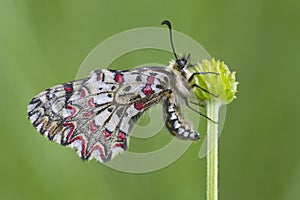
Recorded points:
(221, 82)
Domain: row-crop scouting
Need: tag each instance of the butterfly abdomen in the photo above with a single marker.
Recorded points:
(175, 122)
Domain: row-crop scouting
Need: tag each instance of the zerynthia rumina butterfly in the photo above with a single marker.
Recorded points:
(95, 115)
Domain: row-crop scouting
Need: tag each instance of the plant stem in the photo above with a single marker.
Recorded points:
(212, 148)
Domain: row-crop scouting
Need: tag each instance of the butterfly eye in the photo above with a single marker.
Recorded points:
(181, 63)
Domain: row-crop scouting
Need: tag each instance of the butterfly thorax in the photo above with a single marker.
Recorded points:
(182, 75)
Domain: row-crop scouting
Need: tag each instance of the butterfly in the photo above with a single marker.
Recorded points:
(95, 115)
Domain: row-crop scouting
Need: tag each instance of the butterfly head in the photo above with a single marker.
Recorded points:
(181, 62)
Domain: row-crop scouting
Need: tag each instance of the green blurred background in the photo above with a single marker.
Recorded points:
(42, 43)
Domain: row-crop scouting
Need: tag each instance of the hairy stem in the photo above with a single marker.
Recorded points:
(212, 146)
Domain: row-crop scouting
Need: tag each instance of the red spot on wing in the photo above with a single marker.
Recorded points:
(119, 78)
(82, 93)
(88, 114)
(93, 127)
(139, 105)
(83, 145)
(122, 135)
(106, 133)
(99, 76)
(70, 133)
(119, 145)
(147, 90)
(91, 102)
(73, 111)
(97, 148)
(150, 80)
(68, 89)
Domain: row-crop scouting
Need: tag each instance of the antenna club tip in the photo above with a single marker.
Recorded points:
(166, 22)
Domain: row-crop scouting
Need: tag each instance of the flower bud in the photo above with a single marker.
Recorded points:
(219, 81)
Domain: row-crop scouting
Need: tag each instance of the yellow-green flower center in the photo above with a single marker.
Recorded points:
(222, 84)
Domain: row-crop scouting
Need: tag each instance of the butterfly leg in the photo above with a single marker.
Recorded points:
(198, 86)
(198, 112)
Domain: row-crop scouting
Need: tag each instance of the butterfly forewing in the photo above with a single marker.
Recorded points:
(95, 115)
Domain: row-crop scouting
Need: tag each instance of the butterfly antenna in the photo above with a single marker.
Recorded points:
(168, 23)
